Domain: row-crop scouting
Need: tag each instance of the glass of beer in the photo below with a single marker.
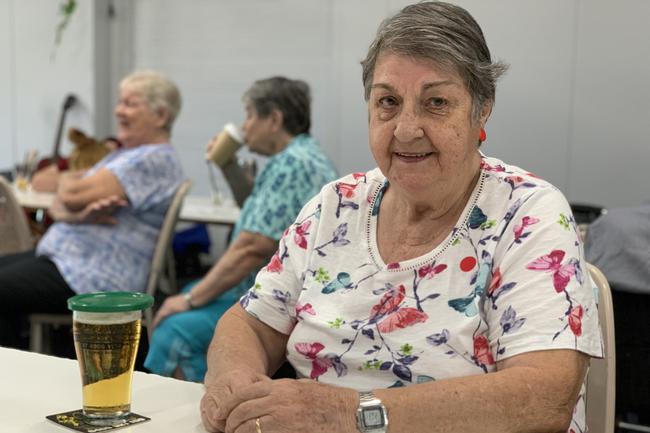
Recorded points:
(106, 329)
(224, 145)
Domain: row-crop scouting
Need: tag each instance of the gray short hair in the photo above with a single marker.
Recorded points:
(446, 34)
(158, 92)
(291, 97)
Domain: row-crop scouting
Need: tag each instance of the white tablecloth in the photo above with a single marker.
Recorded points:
(33, 386)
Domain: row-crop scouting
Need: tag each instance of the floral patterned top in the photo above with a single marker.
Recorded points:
(509, 278)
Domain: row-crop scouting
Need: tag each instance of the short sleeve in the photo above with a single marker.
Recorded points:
(285, 187)
(541, 296)
(147, 175)
(274, 297)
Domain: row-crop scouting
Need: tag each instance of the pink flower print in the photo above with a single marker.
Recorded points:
(346, 189)
(496, 281)
(358, 176)
(487, 167)
(275, 265)
(319, 366)
(402, 318)
(428, 271)
(525, 222)
(393, 265)
(553, 263)
(482, 350)
(391, 316)
(300, 236)
(514, 180)
(307, 308)
(575, 320)
(389, 302)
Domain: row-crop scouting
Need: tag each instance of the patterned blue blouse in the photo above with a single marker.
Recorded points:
(286, 183)
(105, 258)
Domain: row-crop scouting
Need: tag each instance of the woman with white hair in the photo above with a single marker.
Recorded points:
(108, 218)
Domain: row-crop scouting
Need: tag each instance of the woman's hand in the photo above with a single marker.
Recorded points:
(98, 212)
(221, 390)
(172, 305)
(288, 405)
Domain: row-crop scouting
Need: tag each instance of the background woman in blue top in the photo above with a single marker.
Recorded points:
(108, 218)
(277, 125)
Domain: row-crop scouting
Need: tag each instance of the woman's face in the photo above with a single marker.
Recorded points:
(420, 121)
(137, 124)
(258, 131)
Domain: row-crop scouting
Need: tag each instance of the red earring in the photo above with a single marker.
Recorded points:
(482, 136)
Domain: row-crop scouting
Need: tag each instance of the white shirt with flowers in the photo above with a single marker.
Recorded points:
(509, 278)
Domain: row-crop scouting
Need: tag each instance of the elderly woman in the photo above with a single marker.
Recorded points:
(108, 219)
(443, 291)
(277, 125)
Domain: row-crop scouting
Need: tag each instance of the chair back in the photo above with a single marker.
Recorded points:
(601, 379)
(15, 236)
(162, 274)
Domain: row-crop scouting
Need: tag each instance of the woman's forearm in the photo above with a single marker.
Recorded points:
(246, 254)
(242, 342)
(240, 183)
(534, 397)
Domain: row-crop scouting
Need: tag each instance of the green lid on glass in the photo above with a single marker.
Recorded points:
(110, 302)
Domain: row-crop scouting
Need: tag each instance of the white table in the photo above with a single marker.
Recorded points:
(33, 200)
(204, 210)
(33, 386)
(199, 209)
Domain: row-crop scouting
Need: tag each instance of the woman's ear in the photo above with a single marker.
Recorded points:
(486, 110)
(277, 120)
(163, 117)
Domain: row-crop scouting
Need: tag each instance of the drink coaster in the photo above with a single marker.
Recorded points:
(75, 420)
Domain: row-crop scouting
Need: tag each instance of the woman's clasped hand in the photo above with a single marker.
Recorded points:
(233, 405)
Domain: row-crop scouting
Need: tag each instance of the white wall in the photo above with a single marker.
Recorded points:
(35, 76)
(573, 107)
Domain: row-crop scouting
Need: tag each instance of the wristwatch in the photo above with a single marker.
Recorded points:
(372, 416)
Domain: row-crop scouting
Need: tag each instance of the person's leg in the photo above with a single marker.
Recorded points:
(180, 342)
(28, 284)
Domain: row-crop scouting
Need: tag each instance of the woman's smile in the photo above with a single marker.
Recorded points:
(410, 157)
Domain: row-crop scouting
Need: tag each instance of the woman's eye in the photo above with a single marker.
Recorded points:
(387, 102)
(437, 103)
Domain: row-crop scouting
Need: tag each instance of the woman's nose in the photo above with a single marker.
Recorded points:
(408, 128)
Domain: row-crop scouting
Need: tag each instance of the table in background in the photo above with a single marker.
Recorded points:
(199, 209)
(33, 386)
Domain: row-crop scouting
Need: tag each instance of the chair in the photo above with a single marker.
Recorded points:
(15, 236)
(601, 379)
(162, 276)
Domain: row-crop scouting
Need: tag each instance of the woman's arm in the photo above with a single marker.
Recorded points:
(247, 253)
(97, 212)
(243, 351)
(77, 192)
(532, 392)
(241, 184)
(243, 342)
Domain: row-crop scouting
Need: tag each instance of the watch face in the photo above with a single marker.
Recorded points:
(373, 417)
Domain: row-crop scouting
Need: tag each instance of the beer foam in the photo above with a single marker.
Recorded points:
(106, 318)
